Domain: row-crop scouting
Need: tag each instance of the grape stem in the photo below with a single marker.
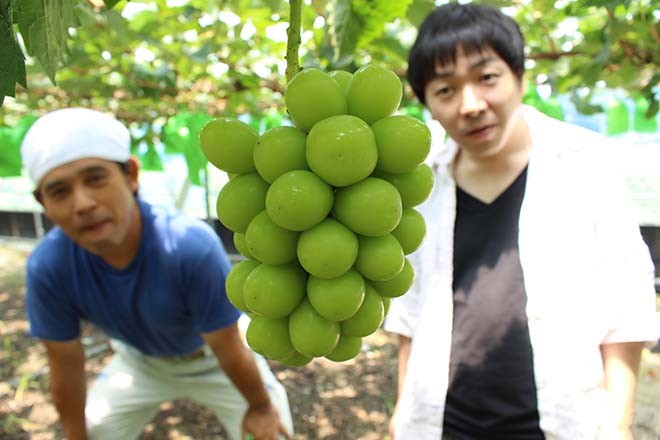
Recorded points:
(293, 38)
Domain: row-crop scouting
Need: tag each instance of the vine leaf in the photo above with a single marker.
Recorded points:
(12, 70)
(110, 3)
(44, 26)
(343, 28)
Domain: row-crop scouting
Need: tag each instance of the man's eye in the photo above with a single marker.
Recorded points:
(488, 77)
(56, 193)
(443, 91)
(96, 179)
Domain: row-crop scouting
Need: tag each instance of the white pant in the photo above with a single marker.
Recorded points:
(128, 393)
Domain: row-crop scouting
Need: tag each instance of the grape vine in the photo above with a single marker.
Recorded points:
(293, 39)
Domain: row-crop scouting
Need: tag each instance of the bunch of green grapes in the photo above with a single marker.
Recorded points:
(323, 211)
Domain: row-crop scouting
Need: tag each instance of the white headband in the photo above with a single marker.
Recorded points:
(63, 136)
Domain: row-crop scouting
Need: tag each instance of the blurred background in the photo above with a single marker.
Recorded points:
(167, 67)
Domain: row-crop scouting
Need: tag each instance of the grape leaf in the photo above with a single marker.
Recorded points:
(12, 70)
(374, 15)
(274, 5)
(609, 4)
(418, 11)
(44, 26)
(343, 28)
(181, 134)
(110, 3)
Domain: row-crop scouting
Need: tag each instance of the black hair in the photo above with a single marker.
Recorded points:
(125, 166)
(472, 27)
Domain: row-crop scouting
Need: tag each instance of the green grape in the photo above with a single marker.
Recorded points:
(368, 318)
(270, 243)
(342, 77)
(414, 187)
(270, 337)
(296, 360)
(279, 150)
(341, 150)
(240, 245)
(379, 258)
(228, 144)
(374, 92)
(411, 230)
(313, 95)
(299, 200)
(274, 291)
(403, 143)
(347, 348)
(235, 282)
(240, 200)
(338, 298)
(327, 250)
(398, 285)
(371, 207)
(312, 334)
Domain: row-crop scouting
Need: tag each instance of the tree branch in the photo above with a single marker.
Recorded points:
(553, 56)
(635, 55)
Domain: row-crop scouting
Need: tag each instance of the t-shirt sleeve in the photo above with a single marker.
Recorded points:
(50, 313)
(205, 284)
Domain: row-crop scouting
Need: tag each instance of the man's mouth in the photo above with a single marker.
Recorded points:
(479, 130)
(93, 225)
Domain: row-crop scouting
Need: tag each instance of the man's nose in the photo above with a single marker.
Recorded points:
(83, 201)
(472, 103)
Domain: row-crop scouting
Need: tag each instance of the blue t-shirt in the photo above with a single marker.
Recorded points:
(171, 293)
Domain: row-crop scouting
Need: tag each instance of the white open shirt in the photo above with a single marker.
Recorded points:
(587, 272)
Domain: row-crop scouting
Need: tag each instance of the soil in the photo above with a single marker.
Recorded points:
(334, 401)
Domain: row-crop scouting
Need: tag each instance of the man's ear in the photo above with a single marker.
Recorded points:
(132, 171)
(37, 196)
(524, 84)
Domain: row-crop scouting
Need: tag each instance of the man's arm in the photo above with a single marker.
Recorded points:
(261, 419)
(404, 355)
(621, 364)
(68, 386)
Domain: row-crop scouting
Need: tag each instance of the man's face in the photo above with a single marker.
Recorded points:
(93, 201)
(477, 100)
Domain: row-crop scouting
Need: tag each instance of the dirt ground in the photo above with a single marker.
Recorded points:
(351, 400)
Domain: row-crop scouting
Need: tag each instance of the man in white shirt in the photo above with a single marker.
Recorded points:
(534, 290)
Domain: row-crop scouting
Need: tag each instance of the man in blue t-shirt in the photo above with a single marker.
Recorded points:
(151, 279)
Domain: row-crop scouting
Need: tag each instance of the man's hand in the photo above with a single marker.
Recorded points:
(67, 384)
(263, 423)
(261, 420)
(405, 344)
(621, 365)
(391, 426)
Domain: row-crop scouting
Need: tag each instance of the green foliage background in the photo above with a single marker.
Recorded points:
(160, 64)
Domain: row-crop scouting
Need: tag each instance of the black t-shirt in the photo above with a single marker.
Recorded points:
(492, 393)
